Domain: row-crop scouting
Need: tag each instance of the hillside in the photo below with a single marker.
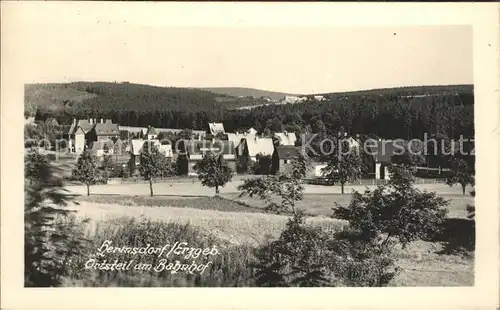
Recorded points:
(246, 92)
(409, 91)
(391, 113)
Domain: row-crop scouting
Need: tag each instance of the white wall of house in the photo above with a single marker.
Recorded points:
(317, 170)
(79, 142)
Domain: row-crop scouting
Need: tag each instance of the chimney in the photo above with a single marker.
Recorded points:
(102, 121)
(90, 121)
(74, 121)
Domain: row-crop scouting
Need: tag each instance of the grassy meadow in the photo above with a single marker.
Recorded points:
(237, 226)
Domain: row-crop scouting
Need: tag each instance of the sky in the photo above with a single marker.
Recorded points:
(286, 59)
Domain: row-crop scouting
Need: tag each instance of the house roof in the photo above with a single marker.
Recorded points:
(132, 129)
(216, 128)
(120, 146)
(107, 128)
(383, 150)
(286, 138)
(218, 147)
(288, 152)
(236, 138)
(136, 145)
(99, 145)
(258, 145)
(84, 124)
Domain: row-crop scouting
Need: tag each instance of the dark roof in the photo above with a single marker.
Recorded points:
(84, 124)
(288, 152)
(382, 151)
(195, 147)
(107, 128)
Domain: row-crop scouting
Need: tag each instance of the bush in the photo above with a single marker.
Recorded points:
(398, 210)
(306, 256)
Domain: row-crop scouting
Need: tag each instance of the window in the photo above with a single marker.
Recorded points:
(285, 161)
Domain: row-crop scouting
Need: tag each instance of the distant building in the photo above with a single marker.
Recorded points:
(283, 158)
(104, 131)
(382, 152)
(253, 145)
(78, 135)
(319, 98)
(216, 128)
(137, 146)
(195, 150)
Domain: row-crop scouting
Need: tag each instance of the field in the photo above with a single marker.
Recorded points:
(241, 221)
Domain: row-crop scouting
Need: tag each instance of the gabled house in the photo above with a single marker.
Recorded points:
(216, 128)
(382, 152)
(78, 135)
(252, 131)
(136, 147)
(195, 150)
(283, 157)
(254, 145)
(104, 131)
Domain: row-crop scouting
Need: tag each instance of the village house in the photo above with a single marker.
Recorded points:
(104, 131)
(216, 128)
(382, 152)
(283, 157)
(195, 150)
(137, 146)
(78, 135)
(253, 145)
(142, 131)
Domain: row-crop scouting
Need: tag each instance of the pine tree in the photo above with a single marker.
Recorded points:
(48, 243)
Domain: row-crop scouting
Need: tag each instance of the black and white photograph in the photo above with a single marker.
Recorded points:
(193, 156)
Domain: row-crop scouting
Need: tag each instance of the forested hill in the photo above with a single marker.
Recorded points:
(247, 92)
(408, 91)
(389, 113)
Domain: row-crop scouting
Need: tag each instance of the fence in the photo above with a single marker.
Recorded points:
(327, 182)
